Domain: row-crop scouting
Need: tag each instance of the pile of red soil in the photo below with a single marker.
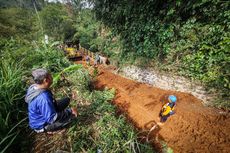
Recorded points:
(193, 128)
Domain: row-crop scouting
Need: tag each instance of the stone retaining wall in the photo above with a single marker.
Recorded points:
(167, 82)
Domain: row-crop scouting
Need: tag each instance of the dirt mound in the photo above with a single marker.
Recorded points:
(194, 128)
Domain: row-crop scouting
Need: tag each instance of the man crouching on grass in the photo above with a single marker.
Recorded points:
(45, 113)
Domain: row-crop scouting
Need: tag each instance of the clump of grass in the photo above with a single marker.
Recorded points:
(11, 88)
(165, 147)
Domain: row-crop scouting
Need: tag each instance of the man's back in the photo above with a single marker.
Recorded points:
(45, 114)
(41, 110)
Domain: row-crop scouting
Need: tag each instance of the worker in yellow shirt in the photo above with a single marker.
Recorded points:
(168, 108)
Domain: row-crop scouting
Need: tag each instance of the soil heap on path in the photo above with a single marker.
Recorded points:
(193, 128)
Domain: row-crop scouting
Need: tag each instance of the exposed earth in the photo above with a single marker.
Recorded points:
(193, 128)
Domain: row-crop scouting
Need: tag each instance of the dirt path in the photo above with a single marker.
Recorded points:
(194, 128)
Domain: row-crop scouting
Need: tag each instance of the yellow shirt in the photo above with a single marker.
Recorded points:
(166, 109)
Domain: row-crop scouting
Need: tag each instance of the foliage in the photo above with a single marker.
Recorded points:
(56, 21)
(87, 31)
(57, 76)
(100, 125)
(80, 81)
(26, 4)
(97, 123)
(11, 88)
(34, 55)
(20, 54)
(15, 22)
(111, 45)
(191, 38)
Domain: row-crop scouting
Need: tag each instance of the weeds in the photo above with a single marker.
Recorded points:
(97, 127)
(11, 88)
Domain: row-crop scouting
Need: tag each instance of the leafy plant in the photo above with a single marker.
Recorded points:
(189, 38)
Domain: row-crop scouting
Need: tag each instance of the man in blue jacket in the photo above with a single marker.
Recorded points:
(45, 113)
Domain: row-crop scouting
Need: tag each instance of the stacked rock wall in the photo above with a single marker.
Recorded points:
(168, 82)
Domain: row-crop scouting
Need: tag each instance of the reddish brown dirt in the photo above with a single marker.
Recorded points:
(194, 128)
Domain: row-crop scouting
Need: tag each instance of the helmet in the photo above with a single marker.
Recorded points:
(172, 98)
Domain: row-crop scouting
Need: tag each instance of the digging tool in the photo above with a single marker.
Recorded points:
(155, 126)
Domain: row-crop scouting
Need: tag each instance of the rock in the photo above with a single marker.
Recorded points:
(167, 82)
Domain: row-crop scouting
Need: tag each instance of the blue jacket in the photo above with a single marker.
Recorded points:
(40, 107)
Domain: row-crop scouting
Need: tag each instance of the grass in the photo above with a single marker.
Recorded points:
(98, 127)
(11, 88)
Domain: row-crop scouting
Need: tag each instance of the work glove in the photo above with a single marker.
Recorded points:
(171, 112)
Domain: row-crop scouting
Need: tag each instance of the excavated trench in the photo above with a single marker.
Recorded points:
(193, 128)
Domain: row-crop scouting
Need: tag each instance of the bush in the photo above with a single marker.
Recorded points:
(191, 38)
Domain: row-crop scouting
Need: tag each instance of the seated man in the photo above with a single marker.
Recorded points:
(46, 114)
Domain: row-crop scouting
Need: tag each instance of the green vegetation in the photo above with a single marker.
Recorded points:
(22, 49)
(87, 30)
(189, 38)
(56, 22)
(97, 123)
(11, 87)
(20, 54)
(15, 22)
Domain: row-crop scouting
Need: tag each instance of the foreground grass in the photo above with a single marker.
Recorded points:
(98, 128)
